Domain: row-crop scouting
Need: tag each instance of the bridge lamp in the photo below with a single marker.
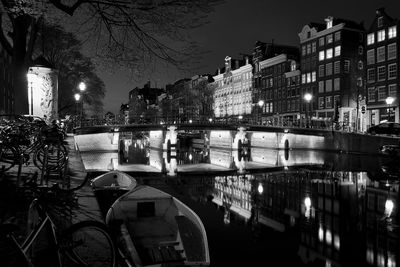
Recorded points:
(307, 98)
(260, 188)
(82, 86)
(240, 117)
(210, 119)
(190, 121)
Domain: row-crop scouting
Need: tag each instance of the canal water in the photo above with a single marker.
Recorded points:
(265, 207)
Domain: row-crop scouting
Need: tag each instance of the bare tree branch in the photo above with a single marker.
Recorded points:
(3, 39)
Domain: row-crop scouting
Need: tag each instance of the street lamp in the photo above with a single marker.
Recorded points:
(389, 101)
(307, 98)
(260, 104)
(82, 88)
(77, 98)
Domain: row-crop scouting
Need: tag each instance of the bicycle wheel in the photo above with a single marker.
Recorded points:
(88, 243)
(56, 157)
(8, 157)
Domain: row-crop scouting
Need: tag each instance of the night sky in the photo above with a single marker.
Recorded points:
(236, 25)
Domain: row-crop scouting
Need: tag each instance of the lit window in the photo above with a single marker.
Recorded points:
(336, 67)
(360, 65)
(303, 78)
(371, 94)
(329, 53)
(381, 35)
(392, 90)
(371, 56)
(337, 50)
(359, 82)
(380, 54)
(314, 47)
(371, 75)
(392, 51)
(329, 39)
(308, 77)
(370, 38)
(381, 73)
(392, 71)
(392, 32)
(313, 76)
(321, 55)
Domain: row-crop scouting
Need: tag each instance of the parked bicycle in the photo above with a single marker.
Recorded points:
(86, 243)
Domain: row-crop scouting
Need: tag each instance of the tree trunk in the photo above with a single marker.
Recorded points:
(19, 65)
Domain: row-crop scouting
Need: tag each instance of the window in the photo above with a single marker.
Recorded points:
(321, 55)
(380, 54)
(308, 49)
(381, 93)
(336, 100)
(381, 35)
(303, 78)
(328, 69)
(321, 71)
(346, 67)
(371, 94)
(360, 50)
(321, 103)
(337, 51)
(380, 21)
(329, 39)
(308, 77)
(336, 67)
(392, 71)
(321, 86)
(359, 82)
(336, 84)
(371, 75)
(321, 41)
(392, 32)
(313, 76)
(381, 73)
(337, 36)
(328, 102)
(328, 85)
(392, 90)
(371, 56)
(370, 39)
(314, 47)
(391, 51)
(360, 65)
(329, 53)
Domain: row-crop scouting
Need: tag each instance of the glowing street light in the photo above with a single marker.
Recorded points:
(307, 98)
(82, 86)
(260, 105)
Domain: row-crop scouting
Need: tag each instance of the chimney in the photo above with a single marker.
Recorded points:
(247, 60)
(329, 22)
(219, 71)
(379, 11)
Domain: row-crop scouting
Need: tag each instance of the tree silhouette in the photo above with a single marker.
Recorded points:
(127, 32)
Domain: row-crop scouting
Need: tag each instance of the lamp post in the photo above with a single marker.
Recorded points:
(260, 105)
(82, 88)
(389, 101)
(77, 98)
(307, 98)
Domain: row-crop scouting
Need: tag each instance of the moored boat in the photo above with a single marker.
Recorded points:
(156, 229)
(110, 186)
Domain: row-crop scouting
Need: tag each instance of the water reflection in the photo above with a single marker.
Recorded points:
(298, 208)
